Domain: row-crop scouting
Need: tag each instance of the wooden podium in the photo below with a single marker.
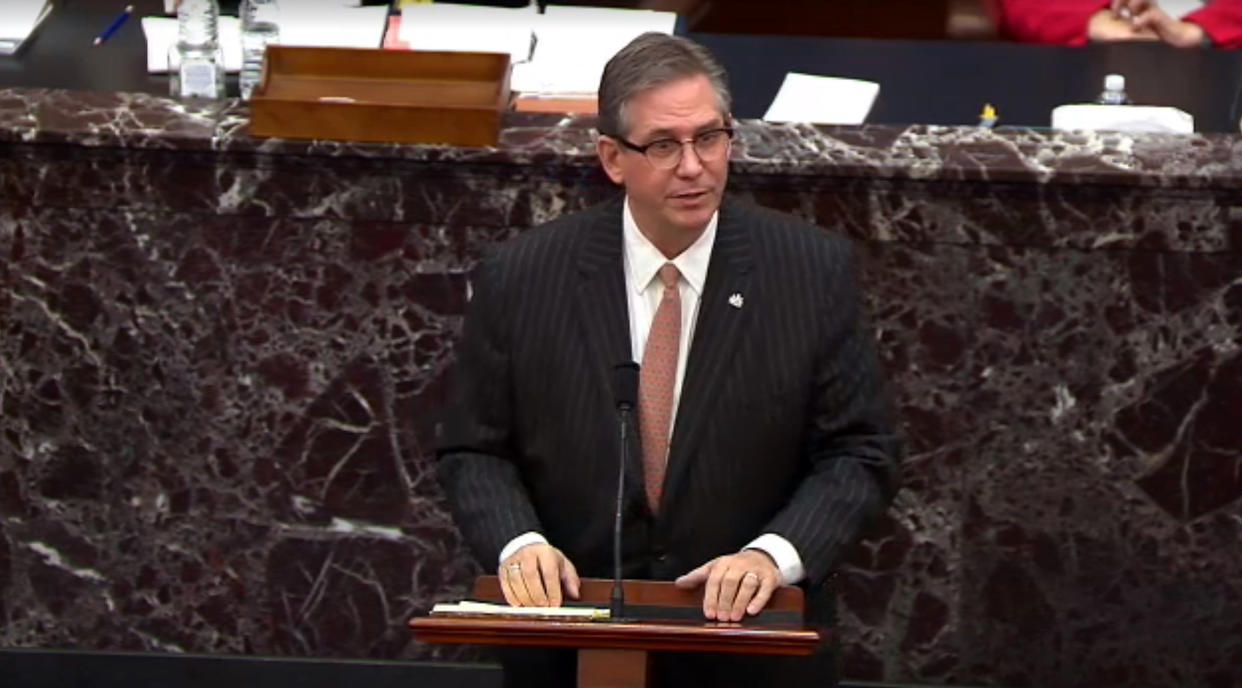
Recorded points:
(615, 654)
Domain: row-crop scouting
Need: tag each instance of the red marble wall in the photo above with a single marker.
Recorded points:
(222, 360)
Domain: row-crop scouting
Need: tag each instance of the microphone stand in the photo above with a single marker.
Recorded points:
(625, 392)
(616, 609)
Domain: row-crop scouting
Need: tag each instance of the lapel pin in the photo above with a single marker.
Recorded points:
(736, 300)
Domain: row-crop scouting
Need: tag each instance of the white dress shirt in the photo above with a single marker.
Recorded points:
(643, 293)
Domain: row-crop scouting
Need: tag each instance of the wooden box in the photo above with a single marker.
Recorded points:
(381, 96)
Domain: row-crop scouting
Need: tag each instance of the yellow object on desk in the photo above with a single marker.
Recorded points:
(987, 118)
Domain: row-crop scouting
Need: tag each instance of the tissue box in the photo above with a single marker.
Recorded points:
(381, 96)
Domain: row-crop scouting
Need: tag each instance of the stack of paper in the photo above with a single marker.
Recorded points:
(562, 51)
(1149, 119)
(18, 20)
(467, 607)
(469, 28)
(822, 100)
(322, 23)
(572, 45)
(332, 25)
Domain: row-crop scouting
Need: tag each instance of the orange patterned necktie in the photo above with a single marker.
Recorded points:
(655, 384)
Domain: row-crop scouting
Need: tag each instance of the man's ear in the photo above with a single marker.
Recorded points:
(610, 157)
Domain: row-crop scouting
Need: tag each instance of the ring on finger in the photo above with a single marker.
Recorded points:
(750, 574)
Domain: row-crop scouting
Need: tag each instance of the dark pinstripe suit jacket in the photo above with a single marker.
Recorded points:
(781, 427)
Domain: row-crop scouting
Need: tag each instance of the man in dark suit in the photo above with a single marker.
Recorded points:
(765, 444)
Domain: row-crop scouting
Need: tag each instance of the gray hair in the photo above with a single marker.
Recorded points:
(654, 59)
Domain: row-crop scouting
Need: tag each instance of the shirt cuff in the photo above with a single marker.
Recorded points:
(528, 538)
(783, 553)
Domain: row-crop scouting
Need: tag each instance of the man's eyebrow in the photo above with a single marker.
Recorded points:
(670, 134)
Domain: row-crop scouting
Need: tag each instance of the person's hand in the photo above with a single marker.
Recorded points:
(737, 584)
(534, 576)
(1129, 8)
(1107, 25)
(1149, 16)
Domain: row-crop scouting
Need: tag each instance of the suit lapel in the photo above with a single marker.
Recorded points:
(719, 328)
(603, 310)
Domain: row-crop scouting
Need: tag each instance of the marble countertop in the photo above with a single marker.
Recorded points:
(926, 153)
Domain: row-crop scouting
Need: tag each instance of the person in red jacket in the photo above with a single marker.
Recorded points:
(1074, 22)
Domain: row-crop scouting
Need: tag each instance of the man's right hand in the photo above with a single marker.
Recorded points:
(1107, 25)
(535, 575)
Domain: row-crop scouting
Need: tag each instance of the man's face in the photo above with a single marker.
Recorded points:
(681, 199)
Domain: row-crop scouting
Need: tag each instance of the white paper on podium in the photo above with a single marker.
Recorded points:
(322, 23)
(469, 28)
(572, 45)
(472, 608)
(822, 100)
(1128, 118)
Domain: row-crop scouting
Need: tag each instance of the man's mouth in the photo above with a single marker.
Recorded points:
(689, 195)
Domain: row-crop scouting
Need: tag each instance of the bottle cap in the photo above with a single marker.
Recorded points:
(1114, 82)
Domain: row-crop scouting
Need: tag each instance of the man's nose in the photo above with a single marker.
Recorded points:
(690, 164)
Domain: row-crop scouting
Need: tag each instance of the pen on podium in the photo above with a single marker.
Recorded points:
(116, 24)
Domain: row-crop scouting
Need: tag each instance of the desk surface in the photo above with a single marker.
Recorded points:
(947, 82)
(924, 82)
(61, 54)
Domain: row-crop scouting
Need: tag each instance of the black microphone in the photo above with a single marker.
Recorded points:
(625, 394)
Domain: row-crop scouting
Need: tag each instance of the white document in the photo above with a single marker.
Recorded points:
(486, 608)
(572, 45)
(329, 24)
(161, 33)
(18, 20)
(322, 23)
(1129, 118)
(822, 100)
(470, 28)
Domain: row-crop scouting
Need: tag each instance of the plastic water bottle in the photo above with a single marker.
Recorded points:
(260, 26)
(1114, 92)
(195, 61)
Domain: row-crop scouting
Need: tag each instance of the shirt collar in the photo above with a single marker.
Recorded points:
(643, 260)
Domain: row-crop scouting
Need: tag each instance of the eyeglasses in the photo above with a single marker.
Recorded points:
(665, 154)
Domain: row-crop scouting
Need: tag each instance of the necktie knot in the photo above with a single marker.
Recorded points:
(668, 275)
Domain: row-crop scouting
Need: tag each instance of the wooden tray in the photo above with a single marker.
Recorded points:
(381, 96)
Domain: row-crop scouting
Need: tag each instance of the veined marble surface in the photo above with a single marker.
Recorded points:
(222, 358)
(144, 121)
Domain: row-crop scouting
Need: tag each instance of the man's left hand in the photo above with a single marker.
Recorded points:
(737, 584)
(1148, 15)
